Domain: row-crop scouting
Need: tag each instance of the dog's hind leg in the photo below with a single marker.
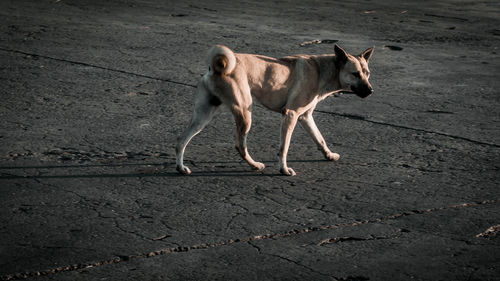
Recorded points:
(243, 118)
(205, 107)
(307, 122)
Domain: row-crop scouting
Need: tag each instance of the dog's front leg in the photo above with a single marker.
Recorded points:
(307, 122)
(287, 125)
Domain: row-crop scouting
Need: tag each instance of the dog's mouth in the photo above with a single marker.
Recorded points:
(362, 91)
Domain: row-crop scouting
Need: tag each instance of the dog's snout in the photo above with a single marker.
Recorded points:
(368, 93)
(362, 90)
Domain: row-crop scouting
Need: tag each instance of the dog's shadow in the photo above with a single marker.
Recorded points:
(164, 169)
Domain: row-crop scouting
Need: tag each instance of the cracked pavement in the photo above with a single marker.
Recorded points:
(94, 95)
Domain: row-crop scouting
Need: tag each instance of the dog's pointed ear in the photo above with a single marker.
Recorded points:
(368, 53)
(340, 54)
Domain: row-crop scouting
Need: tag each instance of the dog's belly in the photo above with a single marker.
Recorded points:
(273, 99)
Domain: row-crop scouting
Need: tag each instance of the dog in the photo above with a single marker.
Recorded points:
(291, 85)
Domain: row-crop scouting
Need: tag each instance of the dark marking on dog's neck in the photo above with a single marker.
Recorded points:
(215, 100)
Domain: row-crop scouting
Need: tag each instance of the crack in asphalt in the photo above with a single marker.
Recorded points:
(362, 118)
(490, 232)
(259, 250)
(96, 66)
(301, 265)
(273, 236)
(355, 239)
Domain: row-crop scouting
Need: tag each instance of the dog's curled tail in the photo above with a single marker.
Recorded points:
(221, 60)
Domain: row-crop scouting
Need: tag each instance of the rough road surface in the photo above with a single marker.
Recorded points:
(95, 93)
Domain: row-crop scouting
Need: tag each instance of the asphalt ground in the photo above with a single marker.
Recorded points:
(95, 93)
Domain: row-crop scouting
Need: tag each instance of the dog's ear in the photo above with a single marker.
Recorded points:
(340, 54)
(367, 54)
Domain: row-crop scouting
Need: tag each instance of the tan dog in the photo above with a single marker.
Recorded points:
(292, 86)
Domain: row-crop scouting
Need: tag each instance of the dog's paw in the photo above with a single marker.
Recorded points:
(258, 166)
(183, 170)
(287, 171)
(332, 156)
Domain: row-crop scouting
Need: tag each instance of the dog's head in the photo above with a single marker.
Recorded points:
(354, 72)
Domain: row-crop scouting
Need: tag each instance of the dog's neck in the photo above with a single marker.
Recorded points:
(329, 83)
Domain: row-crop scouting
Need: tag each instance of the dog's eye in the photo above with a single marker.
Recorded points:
(356, 74)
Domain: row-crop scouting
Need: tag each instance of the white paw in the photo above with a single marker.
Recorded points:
(287, 171)
(258, 166)
(332, 156)
(183, 170)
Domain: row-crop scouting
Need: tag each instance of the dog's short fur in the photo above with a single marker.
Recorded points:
(291, 86)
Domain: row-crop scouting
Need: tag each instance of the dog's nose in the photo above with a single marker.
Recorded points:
(362, 91)
(367, 93)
